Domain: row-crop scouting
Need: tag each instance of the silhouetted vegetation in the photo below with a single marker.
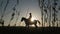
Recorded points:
(46, 11)
(1, 20)
(14, 13)
(1, 3)
(41, 6)
(55, 13)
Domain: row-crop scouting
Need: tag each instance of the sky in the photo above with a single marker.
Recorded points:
(24, 8)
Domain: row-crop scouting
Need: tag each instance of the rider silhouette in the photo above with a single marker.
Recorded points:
(30, 16)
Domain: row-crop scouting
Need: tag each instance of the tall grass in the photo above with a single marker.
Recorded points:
(55, 13)
(41, 7)
(14, 13)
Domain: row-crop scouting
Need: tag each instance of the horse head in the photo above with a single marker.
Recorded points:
(23, 18)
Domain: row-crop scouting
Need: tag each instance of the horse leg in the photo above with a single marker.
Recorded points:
(35, 25)
(9, 25)
(2, 23)
(27, 25)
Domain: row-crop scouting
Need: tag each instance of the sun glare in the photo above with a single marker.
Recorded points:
(32, 19)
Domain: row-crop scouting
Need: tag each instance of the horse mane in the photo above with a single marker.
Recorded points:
(23, 18)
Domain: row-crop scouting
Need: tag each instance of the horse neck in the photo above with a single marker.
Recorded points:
(24, 19)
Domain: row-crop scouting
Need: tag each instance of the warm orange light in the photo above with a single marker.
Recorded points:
(33, 18)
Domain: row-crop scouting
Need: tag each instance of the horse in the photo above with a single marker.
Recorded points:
(29, 22)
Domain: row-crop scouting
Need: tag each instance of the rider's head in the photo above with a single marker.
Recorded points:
(30, 13)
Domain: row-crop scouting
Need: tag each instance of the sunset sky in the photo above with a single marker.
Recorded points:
(24, 7)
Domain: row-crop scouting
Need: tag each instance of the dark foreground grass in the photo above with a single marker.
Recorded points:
(20, 29)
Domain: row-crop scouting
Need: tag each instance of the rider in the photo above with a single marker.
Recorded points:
(30, 16)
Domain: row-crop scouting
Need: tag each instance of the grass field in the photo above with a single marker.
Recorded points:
(30, 29)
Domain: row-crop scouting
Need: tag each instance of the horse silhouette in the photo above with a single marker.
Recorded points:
(28, 22)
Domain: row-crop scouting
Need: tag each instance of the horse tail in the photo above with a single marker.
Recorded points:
(38, 21)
